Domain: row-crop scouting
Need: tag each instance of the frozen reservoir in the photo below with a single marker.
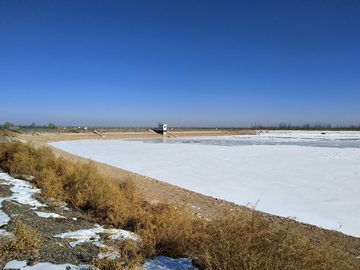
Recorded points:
(311, 176)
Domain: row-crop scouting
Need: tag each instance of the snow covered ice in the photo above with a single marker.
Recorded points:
(312, 176)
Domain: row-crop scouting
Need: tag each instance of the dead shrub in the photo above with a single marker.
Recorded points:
(169, 231)
(24, 241)
(237, 242)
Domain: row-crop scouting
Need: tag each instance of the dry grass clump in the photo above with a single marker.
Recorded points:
(71, 131)
(237, 242)
(24, 241)
(169, 231)
(7, 133)
(232, 241)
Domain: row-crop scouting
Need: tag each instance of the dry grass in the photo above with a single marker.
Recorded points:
(169, 231)
(70, 131)
(7, 133)
(239, 242)
(247, 241)
(24, 241)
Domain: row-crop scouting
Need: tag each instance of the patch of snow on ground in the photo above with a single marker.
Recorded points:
(5, 234)
(158, 263)
(23, 191)
(44, 266)
(4, 218)
(91, 235)
(47, 215)
(308, 175)
(165, 263)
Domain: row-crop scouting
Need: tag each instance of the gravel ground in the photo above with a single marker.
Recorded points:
(54, 250)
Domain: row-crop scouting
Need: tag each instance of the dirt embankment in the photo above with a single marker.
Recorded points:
(155, 190)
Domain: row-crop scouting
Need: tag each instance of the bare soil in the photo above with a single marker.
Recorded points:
(155, 190)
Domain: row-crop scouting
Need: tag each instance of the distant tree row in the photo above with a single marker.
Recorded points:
(9, 125)
(307, 126)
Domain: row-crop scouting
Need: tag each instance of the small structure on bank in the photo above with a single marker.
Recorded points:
(161, 129)
(98, 133)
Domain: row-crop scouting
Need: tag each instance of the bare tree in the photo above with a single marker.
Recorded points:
(8, 125)
(52, 126)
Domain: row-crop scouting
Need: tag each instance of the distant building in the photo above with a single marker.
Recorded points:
(162, 128)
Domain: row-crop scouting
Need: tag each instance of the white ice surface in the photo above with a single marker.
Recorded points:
(308, 175)
(310, 135)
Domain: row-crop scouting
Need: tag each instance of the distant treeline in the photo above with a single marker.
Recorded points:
(11, 126)
(307, 126)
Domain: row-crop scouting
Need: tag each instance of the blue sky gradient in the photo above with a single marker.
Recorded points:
(185, 63)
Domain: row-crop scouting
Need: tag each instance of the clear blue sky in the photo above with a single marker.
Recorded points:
(182, 62)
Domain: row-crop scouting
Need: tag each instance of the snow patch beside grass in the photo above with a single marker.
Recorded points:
(44, 266)
(47, 215)
(91, 235)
